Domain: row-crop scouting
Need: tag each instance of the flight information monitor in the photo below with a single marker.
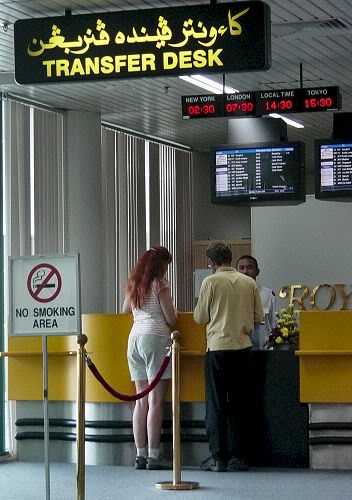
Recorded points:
(259, 172)
(333, 168)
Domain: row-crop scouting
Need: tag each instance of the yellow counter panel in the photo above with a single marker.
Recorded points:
(325, 356)
(107, 345)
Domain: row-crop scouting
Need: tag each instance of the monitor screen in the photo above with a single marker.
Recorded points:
(333, 168)
(258, 172)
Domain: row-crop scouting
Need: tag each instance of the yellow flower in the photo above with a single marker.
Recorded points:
(284, 332)
(278, 340)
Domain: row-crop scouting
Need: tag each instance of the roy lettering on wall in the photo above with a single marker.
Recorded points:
(322, 297)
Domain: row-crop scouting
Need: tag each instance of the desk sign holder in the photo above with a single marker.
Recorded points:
(45, 300)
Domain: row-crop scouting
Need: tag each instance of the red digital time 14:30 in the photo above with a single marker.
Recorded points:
(274, 105)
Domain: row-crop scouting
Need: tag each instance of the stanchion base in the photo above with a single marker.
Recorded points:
(183, 485)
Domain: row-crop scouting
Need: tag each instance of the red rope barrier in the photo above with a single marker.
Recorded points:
(126, 397)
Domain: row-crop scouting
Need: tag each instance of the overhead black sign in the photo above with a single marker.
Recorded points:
(228, 37)
(262, 102)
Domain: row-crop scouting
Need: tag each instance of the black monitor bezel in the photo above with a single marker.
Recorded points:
(298, 196)
(324, 195)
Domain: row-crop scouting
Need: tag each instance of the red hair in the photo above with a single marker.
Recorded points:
(148, 268)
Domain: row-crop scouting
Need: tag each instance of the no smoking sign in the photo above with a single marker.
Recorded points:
(45, 295)
(44, 283)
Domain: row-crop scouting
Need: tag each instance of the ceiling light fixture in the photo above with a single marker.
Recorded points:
(289, 121)
(217, 88)
(208, 84)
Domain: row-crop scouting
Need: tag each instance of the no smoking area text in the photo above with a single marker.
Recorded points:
(45, 317)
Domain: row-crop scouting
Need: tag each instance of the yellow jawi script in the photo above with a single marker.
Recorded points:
(131, 63)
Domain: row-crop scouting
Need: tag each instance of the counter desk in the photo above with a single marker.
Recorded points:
(278, 429)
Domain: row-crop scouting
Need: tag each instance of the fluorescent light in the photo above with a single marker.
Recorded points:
(211, 88)
(206, 83)
(289, 121)
(217, 88)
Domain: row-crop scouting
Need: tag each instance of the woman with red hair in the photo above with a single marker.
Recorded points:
(148, 297)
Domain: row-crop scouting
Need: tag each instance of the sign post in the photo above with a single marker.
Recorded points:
(45, 300)
(46, 415)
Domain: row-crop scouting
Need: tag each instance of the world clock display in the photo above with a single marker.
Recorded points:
(261, 102)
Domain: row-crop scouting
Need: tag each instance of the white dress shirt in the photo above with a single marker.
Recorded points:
(262, 331)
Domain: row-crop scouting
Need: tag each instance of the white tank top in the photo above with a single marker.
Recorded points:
(150, 318)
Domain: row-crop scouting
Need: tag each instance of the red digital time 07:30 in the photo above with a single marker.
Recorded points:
(240, 104)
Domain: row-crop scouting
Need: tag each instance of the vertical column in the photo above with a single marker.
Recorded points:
(84, 213)
(2, 388)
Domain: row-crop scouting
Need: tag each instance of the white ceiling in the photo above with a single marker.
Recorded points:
(316, 33)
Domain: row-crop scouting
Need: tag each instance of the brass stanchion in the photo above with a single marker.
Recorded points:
(176, 484)
(80, 426)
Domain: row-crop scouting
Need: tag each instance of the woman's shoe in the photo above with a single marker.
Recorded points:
(140, 463)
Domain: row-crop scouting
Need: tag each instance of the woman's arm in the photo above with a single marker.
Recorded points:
(167, 306)
(126, 308)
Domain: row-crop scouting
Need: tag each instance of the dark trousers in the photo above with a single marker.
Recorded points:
(228, 394)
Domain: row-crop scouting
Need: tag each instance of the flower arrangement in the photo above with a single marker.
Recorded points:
(286, 332)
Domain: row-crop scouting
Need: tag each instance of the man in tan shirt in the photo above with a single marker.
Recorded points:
(229, 304)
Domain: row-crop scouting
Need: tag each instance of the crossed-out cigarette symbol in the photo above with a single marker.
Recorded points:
(37, 280)
(42, 277)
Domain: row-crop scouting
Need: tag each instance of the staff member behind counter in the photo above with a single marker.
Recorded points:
(248, 265)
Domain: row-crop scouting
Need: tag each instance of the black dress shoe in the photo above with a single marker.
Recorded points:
(213, 464)
(237, 464)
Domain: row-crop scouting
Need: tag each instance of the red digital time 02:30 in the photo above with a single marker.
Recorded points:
(201, 106)
(201, 110)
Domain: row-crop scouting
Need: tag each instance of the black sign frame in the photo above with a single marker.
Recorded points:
(228, 37)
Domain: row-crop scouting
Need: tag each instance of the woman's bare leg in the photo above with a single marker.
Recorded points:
(155, 413)
(140, 413)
